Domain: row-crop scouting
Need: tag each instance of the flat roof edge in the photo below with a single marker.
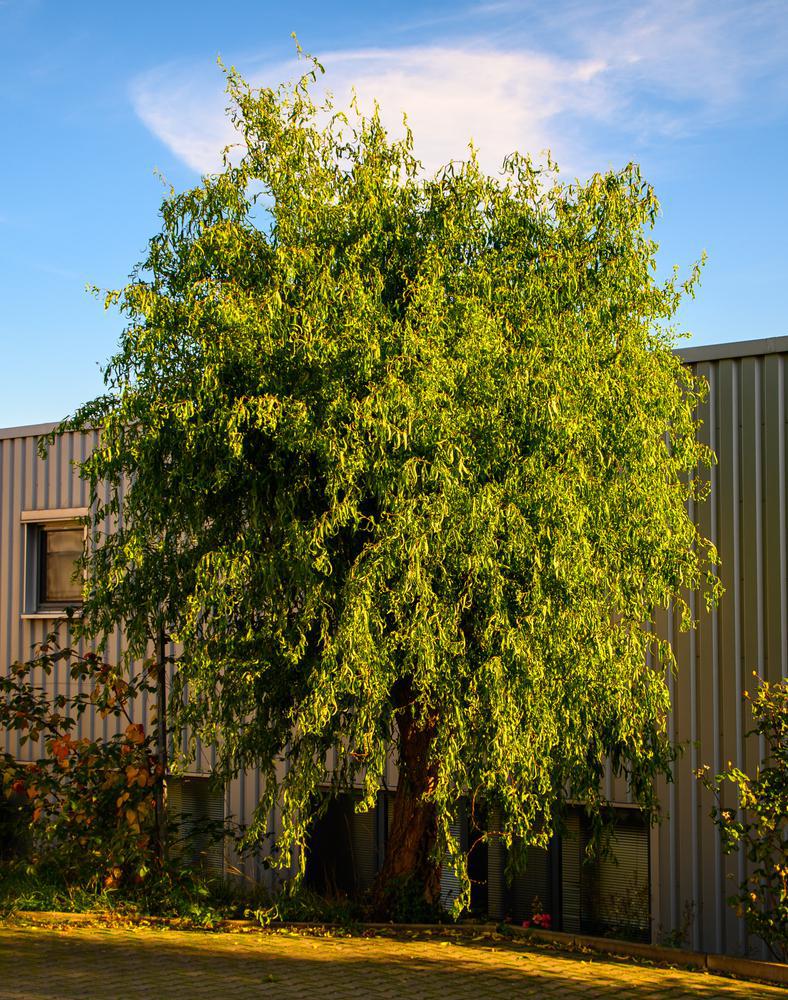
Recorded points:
(690, 355)
(27, 430)
(737, 349)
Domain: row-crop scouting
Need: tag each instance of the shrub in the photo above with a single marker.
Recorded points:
(85, 807)
(759, 826)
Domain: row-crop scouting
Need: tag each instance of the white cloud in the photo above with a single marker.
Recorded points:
(185, 107)
(500, 100)
(626, 76)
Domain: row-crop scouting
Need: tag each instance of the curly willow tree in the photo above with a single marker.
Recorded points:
(409, 461)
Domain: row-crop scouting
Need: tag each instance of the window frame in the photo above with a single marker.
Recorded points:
(35, 524)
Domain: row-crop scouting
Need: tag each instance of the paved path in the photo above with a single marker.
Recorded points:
(99, 963)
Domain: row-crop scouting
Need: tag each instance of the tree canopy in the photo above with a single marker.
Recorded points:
(401, 459)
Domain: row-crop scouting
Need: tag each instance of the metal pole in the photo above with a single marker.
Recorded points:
(161, 737)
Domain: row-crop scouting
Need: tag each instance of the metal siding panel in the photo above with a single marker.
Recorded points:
(6, 576)
(665, 790)
(730, 686)
(715, 898)
(707, 900)
(678, 838)
(667, 860)
(752, 613)
(745, 423)
(67, 471)
(783, 477)
(29, 482)
(18, 494)
(774, 516)
(752, 537)
(695, 822)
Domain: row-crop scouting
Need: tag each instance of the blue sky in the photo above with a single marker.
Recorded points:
(94, 96)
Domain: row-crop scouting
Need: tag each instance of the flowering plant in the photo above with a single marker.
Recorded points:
(85, 803)
(539, 918)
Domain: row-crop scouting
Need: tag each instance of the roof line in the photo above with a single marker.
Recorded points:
(690, 355)
(27, 430)
(737, 349)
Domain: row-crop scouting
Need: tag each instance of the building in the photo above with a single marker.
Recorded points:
(666, 883)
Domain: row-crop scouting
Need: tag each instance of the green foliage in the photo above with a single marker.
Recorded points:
(40, 890)
(370, 431)
(759, 824)
(301, 905)
(171, 893)
(403, 902)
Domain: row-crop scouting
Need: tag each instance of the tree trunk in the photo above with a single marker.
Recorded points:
(413, 828)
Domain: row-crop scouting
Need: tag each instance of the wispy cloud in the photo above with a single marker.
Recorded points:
(594, 85)
(501, 100)
(184, 106)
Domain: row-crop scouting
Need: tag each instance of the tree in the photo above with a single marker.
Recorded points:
(408, 460)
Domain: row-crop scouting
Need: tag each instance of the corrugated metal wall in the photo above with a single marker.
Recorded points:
(744, 421)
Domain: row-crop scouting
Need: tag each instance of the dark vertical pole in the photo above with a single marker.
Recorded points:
(161, 738)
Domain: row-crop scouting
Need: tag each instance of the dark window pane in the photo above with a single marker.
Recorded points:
(61, 549)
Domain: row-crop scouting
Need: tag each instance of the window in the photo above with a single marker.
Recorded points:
(195, 809)
(54, 540)
(608, 894)
(345, 848)
(60, 546)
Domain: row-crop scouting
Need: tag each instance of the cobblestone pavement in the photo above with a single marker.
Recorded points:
(102, 963)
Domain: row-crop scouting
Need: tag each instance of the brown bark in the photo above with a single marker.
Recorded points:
(413, 830)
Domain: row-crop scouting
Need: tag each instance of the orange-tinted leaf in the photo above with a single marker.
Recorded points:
(135, 733)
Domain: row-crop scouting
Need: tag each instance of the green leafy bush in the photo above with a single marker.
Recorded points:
(88, 805)
(79, 826)
(759, 826)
